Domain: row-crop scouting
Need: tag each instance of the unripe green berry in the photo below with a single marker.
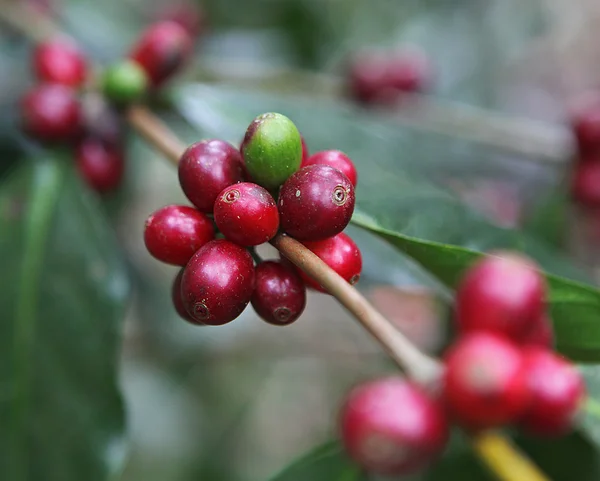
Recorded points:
(124, 82)
(272, 149)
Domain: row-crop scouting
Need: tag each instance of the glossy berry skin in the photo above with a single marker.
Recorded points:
(101, 165)
(162, 50)
(124, 82)
(341, 254)
(541, 334)
(408, 71)
(315, 203)
(485, 384)
(51, 112)
(272, 149)
(336, 159)
(279, 296)
(500, 294)
(391, 427)
(59, 61)
(585, 185)
(175, 232)
(218, 282)
(246, 214)
(206, 168)
(557, 390)
(178, 300)
(586, 124)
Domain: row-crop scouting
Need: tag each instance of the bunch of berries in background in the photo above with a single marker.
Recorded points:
(501, 370)
(63, 108)
(248, 196)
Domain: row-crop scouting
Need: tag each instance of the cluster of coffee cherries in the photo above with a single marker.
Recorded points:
(501, 370)
(64, 108)
(247, 196)
(379, 77)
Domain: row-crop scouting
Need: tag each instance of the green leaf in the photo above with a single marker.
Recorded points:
(62, 297)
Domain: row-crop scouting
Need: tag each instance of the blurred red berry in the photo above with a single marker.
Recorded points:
(60, 61)
(100, 164)
(585, 121)
(585, 185)
(336, 159)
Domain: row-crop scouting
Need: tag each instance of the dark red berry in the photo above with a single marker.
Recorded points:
(586, 123)
(59, 61)
(217, 283)
(101, 165)
(246, 214)
(391, 427)
(51, 112)
(485, 383)
(585, 186)
(175, 232)
(315, 203)
(500, 294)
(341, 254)
(162, 50)
(206, 168)
(279, 294)
(178, 300)
(557, 390)
(409, 70)
(102, 121)
(336, 159)
(541, 333)
(368, 78)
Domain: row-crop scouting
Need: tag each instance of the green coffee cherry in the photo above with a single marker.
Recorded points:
(124, 82)
(272, 149)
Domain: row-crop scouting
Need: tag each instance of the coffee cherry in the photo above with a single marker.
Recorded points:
(102, 121)
(279, 294)
(557, 390)
(585, 185)
(336, 159)
(59, 61)
(391, 427)
(500, 294)
(272, 149)
(188, 15)
(178, 300)
(586, 123)
(124, 82)
(217, 283)
(100, 164)
(206, 168)
(408, 70)
(315, 203)
(485, 383)
(162, 50)
(541, 334)
(175, 232)
(368, 78)
(246, 214)
(51, 112)
(341, 254)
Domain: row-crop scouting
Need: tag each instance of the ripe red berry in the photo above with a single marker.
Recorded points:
(485, 383)
(500, 294)
(586, 123)
(341, 254)
(585, 186)
(556, 389)
(162, 50)
(175, 232)
(100, 164)
(368, 78)
(51, 112)
(59, 61)
(246, 214)
(391, 427)
(217, 283)
(541, 333)
(206, 168)
(178, 300)
(409, 70)
(315, 203)
(279, 294)
(336, 159)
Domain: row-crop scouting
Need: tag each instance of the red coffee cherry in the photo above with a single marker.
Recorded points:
(246, 214)
(409, 70)
(541, 334)
(279, 296)
(175, 232)
(557, 391)
(336, 159)
(391, 427)
(315, 203)
(585, 122)
(368, 79)
(162, 50)
(59, 61)
(500, 294)
(178, 300)
(217, 283)
(100, 164)
(485, 384)
(206, 168)
(51, 112)
(585, 185)
(341, 254)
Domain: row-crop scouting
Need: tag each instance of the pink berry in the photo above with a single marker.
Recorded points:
(585, 185)
(485, 384)
(178, 300)
(246, 214)
(175, 232)
(336, 159)
(392, 427)
(409, 70)
(188, 15)
(100, 164)
(368, 78)
(59, 61)
(541, 333)
(218, 282)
